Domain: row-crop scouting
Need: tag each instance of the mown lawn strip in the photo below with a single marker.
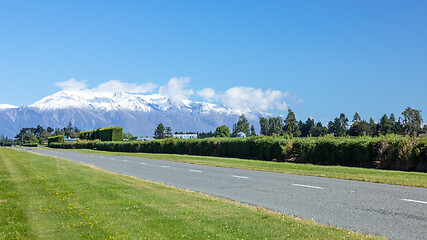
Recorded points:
(67, 200)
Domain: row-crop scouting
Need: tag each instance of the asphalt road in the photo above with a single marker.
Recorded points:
(396, 212)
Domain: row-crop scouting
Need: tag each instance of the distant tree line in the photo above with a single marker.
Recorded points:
(39, 134)
(162, 132)
(5, 140)
(409, 124)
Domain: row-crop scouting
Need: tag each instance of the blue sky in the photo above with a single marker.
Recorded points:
(320, 58)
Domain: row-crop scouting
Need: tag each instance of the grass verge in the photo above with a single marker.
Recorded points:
(52, 198)
(414, 179)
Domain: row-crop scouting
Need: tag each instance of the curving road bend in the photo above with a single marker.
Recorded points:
(396, 212)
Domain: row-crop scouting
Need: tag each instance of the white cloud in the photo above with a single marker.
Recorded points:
(207, 93)
(119, 86)
(175, 89)
(111, 86)
(246, 99)
(72, 85)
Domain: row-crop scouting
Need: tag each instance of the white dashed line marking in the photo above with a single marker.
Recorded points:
(125, 161)
(112, 158)
(194, 170)
(143, 163)
(164, 166)
(411, 200)
(307, 186)
(236, 176)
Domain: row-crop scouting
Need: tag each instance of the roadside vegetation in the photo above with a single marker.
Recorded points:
(51, 198)
(415, 179)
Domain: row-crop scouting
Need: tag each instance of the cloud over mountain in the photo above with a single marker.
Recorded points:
(240, 98)
(175, 89)
(112, 86)
(118, 86)
(72, 85)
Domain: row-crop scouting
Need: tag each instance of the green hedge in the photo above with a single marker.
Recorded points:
(7, 144)
(56, 139)
(391, 152)
(30, 145)
(103, 134)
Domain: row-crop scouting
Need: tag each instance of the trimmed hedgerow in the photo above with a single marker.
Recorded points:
(103, 134)
(390, 152)
(30, 145)
(111, 134)
(56, 139)
(87, 135)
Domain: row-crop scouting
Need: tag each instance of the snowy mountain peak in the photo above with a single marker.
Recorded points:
(136, 113)
(114, 101)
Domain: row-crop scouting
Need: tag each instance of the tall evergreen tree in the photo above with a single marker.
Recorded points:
(253, 133)
(360, 128)
(275, 126)
(159, 133)
(50, 130)
(373, 129)
(412, 121)
(318, 130)
(385, 126)
(291, 127)
(57, 132)
(263, 123)
(356, 118)
(339, 126)
(168, 132)
(306, 127)
(241, 126)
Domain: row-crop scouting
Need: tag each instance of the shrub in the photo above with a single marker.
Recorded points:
(56, 139)
(30, 145)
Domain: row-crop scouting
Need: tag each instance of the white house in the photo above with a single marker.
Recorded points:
(185, 136)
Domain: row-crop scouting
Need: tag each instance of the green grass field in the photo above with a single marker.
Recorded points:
(415, 179)
(51, 198)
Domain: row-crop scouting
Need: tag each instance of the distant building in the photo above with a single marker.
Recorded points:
(185, 136)
(241, 135)
(70, 139)
(145, 138)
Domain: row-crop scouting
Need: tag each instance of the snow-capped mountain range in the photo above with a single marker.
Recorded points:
(136, 113)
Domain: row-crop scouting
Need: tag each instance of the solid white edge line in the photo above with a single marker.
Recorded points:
(307, 186)
(236, 176)
(411, 200)
(193, 170)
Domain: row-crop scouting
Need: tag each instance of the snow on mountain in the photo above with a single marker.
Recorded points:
(121, 101)
(7, 106)
(136, 113)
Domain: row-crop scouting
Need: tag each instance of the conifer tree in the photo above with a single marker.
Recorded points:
(291, 127)
(159, 133)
